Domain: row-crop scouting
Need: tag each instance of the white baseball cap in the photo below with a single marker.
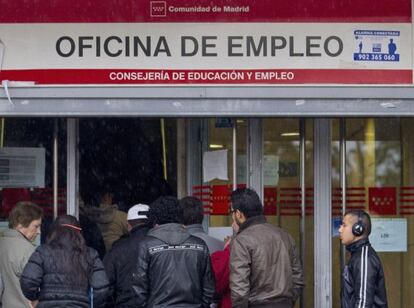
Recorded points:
(138, 211)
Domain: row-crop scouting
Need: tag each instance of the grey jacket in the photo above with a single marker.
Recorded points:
(265, 269)
(213, 244)
(15, 251)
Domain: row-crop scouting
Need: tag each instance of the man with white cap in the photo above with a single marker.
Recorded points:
(121, 259)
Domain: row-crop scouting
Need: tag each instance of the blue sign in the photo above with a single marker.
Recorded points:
(224, 122)
(376, 45)
(336, 224)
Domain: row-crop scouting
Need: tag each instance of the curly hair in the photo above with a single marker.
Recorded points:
(165, 210)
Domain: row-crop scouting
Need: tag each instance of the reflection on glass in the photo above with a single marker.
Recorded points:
(221, 138)
(282, 188)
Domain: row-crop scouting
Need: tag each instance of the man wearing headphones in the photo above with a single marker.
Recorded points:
(363, 277)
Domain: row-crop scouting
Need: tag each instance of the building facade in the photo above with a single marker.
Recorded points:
(312, 105)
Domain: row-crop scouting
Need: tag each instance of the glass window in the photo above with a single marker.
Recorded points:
(220, 137)
(380, 180)
(282, 187)
(134, 158)
(26, 172)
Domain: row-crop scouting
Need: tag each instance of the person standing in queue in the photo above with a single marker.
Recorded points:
(173, 267)
(121, 260)
(64, 272)
(16, 247)
(265, 268)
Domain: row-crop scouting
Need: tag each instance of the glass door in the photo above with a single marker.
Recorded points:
(379, 178)
(286, 162)
(288, 180)
(226, 153)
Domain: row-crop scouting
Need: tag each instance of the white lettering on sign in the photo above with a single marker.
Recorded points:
(215, 76)
(192, 9)
(144, 76)
(274, 75)
(208, 9)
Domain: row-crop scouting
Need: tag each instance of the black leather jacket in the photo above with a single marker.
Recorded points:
(363, 278)
(120, 263)
(41, 281)
(173, 269)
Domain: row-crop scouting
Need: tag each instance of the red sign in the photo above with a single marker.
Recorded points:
(126, 11)
(206, 42)
(42, 197)
(11, 196)
(158, 8)
(220, 197)
(270, 201)
(382, 200)
(235, 76)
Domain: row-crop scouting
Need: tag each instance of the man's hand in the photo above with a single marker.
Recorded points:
(227, 241)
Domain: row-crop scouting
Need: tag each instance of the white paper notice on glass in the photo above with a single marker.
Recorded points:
(271, 170)
(389, 234)
(22, 167)
(220, 233)
(215, 165)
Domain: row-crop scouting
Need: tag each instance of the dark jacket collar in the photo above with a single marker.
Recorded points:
(255, 220)
(358, 244)
(139, 228)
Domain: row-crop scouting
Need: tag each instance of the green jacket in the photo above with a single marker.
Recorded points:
(15, 251)
(111, 221)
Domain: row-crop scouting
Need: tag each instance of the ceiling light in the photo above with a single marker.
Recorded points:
(216, 146)
(289, 134)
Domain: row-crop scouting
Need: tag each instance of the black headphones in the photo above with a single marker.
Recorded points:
(358, 228)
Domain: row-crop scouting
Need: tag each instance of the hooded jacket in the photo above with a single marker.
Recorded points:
(213, 244)
(265, 269)
(363, 278)
(120, 263)
(173, 269)
(111, 221)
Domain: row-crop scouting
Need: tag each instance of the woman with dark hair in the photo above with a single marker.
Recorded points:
(64, 272)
